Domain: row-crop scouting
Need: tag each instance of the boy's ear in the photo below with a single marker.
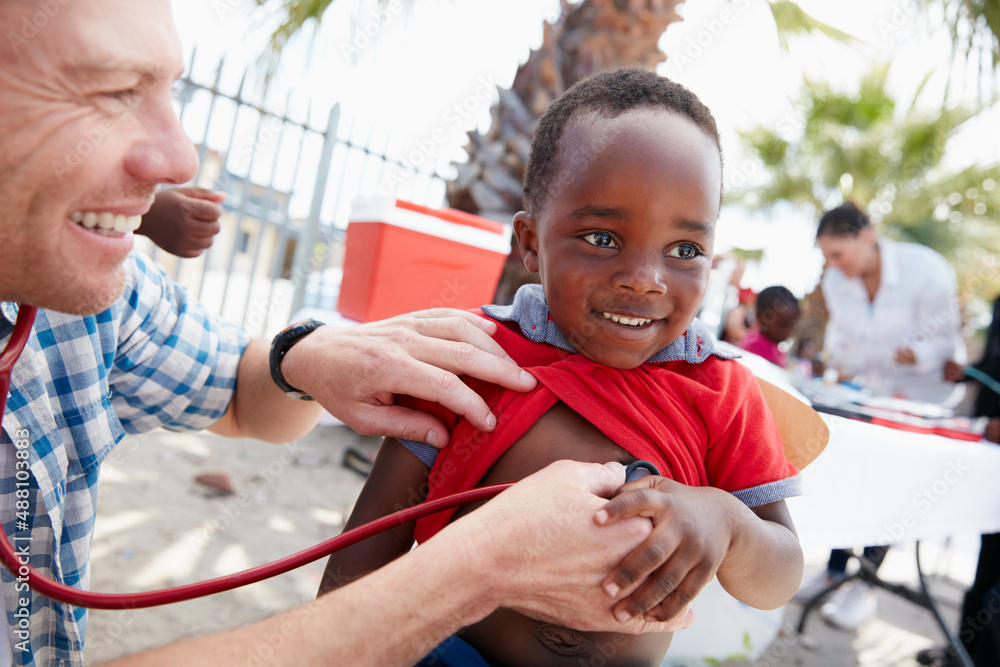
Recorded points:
(526, 233)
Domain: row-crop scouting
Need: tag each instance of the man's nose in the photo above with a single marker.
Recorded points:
(164, 153)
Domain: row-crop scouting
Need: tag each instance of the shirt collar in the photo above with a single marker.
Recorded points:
(889, 256)
(531, 313)
(8, 309)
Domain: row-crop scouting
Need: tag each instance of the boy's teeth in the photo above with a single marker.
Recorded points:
(628, 321)
(106, 221)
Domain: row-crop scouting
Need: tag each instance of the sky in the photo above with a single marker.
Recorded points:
(422, 74)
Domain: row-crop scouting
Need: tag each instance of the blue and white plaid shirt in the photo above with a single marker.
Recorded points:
(155, 358)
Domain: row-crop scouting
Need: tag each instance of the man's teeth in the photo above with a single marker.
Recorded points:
(628, 321)
(107, 222)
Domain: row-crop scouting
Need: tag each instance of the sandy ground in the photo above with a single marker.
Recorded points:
(157, 527)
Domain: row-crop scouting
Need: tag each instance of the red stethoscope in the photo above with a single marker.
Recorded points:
(74, 596)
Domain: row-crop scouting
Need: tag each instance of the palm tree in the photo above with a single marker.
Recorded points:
(859, 146)
(589, 36)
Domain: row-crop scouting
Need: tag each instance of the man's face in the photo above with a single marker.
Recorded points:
(87, 131)
(623, 240)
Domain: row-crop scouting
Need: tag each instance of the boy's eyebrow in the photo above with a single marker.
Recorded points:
(697, 226)
(604, 212)
(613, 213)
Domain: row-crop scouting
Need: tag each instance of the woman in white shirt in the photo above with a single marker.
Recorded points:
(894, 314)
(894, 322)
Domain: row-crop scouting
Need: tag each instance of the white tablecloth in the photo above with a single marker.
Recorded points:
(876, 485)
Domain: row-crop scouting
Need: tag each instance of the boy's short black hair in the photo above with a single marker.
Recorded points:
(609, 94)
(776, 299)
(844, 221)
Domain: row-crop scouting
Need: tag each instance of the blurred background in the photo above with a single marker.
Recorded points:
(298, 108)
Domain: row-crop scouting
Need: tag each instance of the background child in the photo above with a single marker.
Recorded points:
(622, 193)
(777, 313)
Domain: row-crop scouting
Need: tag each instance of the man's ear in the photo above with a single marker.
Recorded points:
(526, 233)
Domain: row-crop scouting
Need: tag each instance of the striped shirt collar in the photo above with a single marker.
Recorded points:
(531, 313)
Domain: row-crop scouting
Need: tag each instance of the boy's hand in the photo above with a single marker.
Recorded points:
(692, 534)
(183, 221)
(546, 557)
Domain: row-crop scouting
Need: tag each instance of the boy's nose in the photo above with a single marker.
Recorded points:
(641, 273)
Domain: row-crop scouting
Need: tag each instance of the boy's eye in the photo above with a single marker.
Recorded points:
(685, 251)
(600, 239)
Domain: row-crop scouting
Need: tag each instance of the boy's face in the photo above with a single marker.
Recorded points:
(623, 240)
(779, 323)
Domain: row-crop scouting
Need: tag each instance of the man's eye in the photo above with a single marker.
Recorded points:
(126, 96)
(600, 239)
(685, 251)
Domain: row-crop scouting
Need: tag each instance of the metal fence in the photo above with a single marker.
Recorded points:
(290, 180)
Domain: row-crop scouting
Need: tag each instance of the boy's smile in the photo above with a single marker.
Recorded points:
(623, 240)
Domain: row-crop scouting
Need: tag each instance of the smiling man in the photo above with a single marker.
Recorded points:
(87, 133)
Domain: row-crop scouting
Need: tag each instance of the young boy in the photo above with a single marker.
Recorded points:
(622, 194)
(777, 313)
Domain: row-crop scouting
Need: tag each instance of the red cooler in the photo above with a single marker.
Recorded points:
(402, 257)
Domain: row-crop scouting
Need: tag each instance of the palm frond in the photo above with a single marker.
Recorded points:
(790, 19)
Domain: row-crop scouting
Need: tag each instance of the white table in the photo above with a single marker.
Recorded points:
(875, 485)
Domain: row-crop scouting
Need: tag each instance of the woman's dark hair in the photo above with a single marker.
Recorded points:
(609, 94)
(844, 221)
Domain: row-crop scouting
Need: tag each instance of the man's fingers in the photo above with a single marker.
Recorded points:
(429, 382)
(489, 326)
(459, 329)
(458, 347)
(400, 423)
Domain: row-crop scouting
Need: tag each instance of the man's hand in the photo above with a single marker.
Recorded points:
(905, 357)
(183, 221)
(538, 541)
(354, 372)
(953, 372)
(692, 533)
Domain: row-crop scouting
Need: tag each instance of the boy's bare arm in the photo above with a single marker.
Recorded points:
(698, 533)
(398, 479)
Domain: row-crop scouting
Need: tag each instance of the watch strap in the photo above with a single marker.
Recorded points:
(280, 345)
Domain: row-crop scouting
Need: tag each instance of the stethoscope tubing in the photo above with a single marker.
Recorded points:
(22, 569)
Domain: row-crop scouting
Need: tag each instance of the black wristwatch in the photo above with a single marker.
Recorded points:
(280, 346)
